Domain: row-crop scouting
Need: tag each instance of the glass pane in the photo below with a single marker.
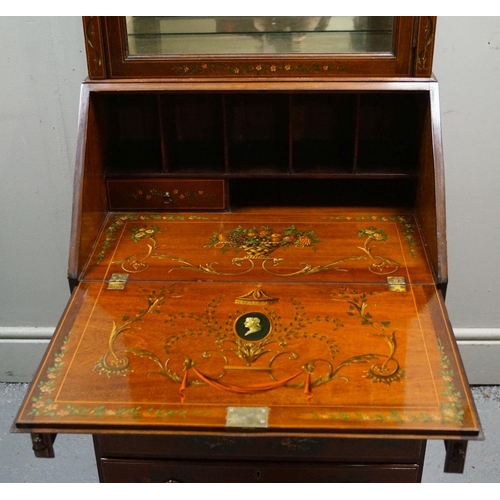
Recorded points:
(155, 36)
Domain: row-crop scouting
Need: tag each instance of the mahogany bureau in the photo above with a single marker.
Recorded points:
(258, 256)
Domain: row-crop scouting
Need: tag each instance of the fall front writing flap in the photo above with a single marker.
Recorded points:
(332, 358)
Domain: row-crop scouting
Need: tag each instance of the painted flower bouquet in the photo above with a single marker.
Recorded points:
(259, 243)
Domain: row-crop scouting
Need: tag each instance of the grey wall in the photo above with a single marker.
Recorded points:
(467, 65)
(42, 63)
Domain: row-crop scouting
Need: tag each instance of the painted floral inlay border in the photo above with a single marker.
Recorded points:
(254, 69)
(452, 409)
(44, 404)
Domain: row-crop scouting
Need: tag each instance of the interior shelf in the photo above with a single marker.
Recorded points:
(258, 135)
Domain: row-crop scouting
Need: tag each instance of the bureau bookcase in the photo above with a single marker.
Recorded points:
(258, 256)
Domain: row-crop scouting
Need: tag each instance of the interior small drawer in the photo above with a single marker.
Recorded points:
(224, 472)
(166, 194)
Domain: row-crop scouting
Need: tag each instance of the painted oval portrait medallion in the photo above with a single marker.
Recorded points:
(252, 326)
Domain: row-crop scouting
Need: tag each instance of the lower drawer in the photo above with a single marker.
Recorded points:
(166, 194)
(256, 447)
(162, 471)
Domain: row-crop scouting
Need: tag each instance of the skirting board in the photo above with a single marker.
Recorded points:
(21, 350)
(480, 350)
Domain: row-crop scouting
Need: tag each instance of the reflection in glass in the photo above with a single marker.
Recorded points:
(155, 36)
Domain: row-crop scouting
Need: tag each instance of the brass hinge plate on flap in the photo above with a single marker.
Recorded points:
(117, 281)
(247, 417)
(396, 283)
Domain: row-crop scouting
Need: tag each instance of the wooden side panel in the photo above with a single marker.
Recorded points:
(89, 198)
(430, 201)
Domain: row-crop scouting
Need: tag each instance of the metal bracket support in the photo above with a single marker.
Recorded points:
(43, 444)
(455, 456)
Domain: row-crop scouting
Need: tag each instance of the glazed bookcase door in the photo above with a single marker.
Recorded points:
(265, 47)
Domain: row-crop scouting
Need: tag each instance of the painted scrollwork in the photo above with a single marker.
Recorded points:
(257, 245)
(389, 371)
(379, 265)
(137, 263)
(274, 341)
(116, 362)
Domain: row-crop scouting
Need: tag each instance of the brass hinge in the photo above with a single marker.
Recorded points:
(117, 281)
(396, 283)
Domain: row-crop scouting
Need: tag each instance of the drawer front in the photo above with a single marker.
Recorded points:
(166, 194)
(132, 471)
(286, 448)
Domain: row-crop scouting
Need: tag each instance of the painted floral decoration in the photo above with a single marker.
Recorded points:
(258, 243)
(373, 233)
(142, 233)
